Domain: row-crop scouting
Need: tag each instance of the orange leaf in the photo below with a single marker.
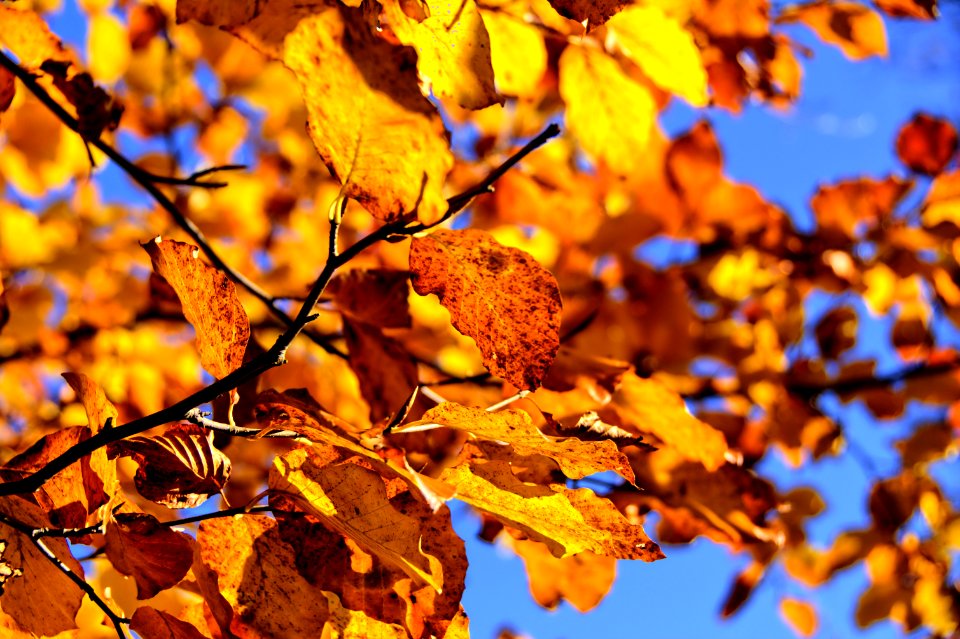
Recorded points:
(583, 579)
(856, 29)
(74, 492)
(210, 304)
(26, 34)
(576, 458)
(920, 9)
(648, 406)
(154, 555)
(926, 144)
(151, 623)
(179, 469)
(801, 616)
(8, 88)
(499, 296)
(847, 204)
(42, 600)
(99, 409)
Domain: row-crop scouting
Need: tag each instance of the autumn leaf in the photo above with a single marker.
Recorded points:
(26, 34)
(179, 469)
(801, 616)
(154, 555)
(8, 89)
(855, 28)
(567, 521)
(647, 406)
(583, 579)
(387, 373)
(576, 458)
(848, 204)
(920, 9)
(592, 13)
(151, 623)
(517, 52)
(353, 501)
(453, 49)
(926, 144)
(381, 138)
(42, 600)
(599, 96)
(373, 296)
(499, 296)
(663, 49)
(351, 624)
(210, 304)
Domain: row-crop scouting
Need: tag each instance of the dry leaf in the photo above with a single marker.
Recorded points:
(141, 547)
(856, 29)
(179, 469)
(151, 623)
(499, 296)
(210, 304)
(386, 372)
(926, 144)
(593, 13)
(373, 296)
(576, 458)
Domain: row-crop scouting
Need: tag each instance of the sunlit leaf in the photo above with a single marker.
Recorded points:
(501, 297)
(801, 616)
(856, 29)
(151, 623)
(210, 304)
(926, 144)
(453, 49)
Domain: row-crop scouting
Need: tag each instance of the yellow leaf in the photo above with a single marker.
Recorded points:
(856, 29)
(108, 48)
(352, 624)
(453, 49)
(383, 140)
(610, 114)
(567, 521)
(517, 51)
(648, 406)
(576, 458)
(942, 203)
(801, 616)
(353, 501)
(26, 34)
(663, 49)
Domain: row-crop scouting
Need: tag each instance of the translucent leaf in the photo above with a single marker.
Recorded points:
(499, 296)
(151, 623)
(663, 49)
(576, 458)
(517, 51)
(600, 97)
(350, 624)
(386, 372)
(210, 304)
(26, 34)
(453, 49)
(801, 616)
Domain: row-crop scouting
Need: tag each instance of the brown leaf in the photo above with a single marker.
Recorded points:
(648, 406)
(8, 88)
(600, 376)
(742, 588)
(847, 204)
(836, 332)
(576, 458)
(353, 501)
(373, 296)
(593, 12)
(920, 9)
(351, 624)
(151, 623)
(590, 427)
(499, 296)
(258, 576)
(97, 111)
(76, 491)
(210, 304)
(694, 162)
(42, 600)
(99, 409)
(856, 29)
(567, 521)
(154, 555)
(926, 144)
(583, 579)
(179, 469)
(7, 571)
(386, 372)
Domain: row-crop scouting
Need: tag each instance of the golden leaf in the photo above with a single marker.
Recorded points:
(576, 458)
(801, 616)
(453, 49)
(567, 521)
(353, 501)
(351, 624)
(499, 296)
(517, 52)
(26, 34)
(210, 304)
(600, 97)
(648, 406)
(154, 555)
(663, 49)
